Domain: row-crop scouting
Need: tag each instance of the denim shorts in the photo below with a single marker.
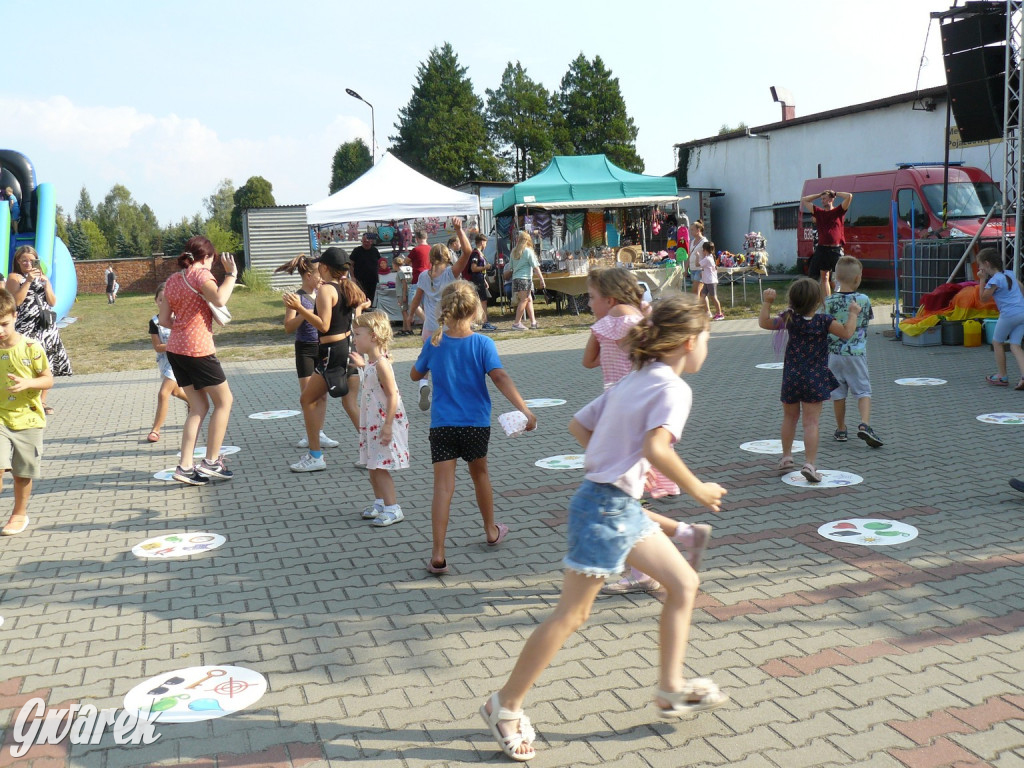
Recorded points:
(605, 523)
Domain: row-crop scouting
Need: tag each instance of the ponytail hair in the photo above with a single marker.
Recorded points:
(459, 301)
(197, 248)
(671, 322)
(300, 264)
(350, 291)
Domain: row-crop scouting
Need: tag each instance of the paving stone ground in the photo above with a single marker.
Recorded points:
(834, 655)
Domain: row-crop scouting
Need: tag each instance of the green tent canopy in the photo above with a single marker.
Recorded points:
(586, 181)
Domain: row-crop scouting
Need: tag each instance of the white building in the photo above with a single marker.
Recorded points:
(760, 171)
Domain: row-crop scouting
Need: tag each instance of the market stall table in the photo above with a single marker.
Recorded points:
(657, 280)
(732, 275)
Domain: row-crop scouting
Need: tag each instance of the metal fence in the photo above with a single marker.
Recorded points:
(927, 264)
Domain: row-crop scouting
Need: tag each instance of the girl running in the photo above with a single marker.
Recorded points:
(168, 386)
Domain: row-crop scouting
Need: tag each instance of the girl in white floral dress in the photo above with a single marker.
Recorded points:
(383, 424)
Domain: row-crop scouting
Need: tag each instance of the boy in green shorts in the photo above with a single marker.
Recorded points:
(25, 372)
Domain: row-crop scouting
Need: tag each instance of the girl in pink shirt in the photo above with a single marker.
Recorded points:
(627, 429)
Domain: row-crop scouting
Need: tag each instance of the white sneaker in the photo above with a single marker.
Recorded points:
(308, 464)
(388, 517)
(303, 443)
(326, 442)
(372, 512)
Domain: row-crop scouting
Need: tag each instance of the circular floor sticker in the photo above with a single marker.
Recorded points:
(167, 475)
(200, 451)
(770, 446)
(263, 415)
(830, 478)
(544, 402)
(869, 533)
(920, 381)
(178, 545)
(567, 461)
(1002, 418)
(196, 693)
(770, 366)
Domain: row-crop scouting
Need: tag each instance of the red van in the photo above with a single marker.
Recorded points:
(868, 225)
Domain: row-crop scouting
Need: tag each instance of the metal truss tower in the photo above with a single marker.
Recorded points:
(1013, 127)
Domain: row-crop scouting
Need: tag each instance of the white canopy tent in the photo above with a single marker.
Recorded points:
(391, 190)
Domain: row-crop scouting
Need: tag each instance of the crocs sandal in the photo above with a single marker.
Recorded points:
(698, 695)
(786, 464)
(153, 436)
(525, 735)
(437, 570)
(502, 533)
(997, 380)
(812, 475)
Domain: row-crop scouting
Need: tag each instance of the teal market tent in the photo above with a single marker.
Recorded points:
(586, 181)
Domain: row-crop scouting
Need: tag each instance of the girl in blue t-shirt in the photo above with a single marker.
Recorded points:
(1002, 287)
(458, 361)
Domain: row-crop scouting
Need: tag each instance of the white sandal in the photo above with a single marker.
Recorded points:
(697, 695)
(509, 744)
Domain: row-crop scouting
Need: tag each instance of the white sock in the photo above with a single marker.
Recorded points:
(423, 383)
(378, 503)
(682, 531)
(393, 508)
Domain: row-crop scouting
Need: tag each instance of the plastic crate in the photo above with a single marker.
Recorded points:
(930, 338)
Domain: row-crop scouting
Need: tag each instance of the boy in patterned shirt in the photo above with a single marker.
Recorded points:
(25, 371)
(848, 359)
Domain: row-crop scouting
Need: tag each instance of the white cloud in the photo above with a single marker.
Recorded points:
(167, 161)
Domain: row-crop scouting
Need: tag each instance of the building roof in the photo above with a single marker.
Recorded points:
(939, 92)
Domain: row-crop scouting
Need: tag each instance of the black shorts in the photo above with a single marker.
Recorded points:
(824, 259)
(710, 289)
(333, 364)
(482, 291)
(196, 372)
(306, 355)
(466, 443)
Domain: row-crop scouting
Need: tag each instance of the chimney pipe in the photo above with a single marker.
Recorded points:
(785, 98)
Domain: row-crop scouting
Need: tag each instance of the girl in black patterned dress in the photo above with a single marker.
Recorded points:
(34, 294)
(806, 379)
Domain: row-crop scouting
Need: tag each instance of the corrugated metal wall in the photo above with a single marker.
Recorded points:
(274, 236)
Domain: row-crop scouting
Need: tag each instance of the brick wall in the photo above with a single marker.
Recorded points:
(134, 275)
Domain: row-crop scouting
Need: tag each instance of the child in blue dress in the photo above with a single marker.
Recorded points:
(806, 379)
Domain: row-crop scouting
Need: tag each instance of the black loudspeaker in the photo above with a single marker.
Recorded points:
(974, 55)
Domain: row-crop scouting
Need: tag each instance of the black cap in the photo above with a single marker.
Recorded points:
(333, 257)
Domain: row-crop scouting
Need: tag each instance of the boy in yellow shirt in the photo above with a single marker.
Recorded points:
(25, 372)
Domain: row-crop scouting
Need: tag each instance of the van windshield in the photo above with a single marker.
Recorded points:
(967, 199)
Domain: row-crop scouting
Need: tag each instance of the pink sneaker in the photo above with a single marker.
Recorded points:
(695, 540)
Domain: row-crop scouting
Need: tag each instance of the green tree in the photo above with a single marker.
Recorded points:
(63, 222)
(521, 122)
(84, 209)
(726, 129)
(351, 160)
(78, 244)
(132, 228)
(595, 114)
(174, 236)
(257, 192)
(223, 239)
(441, 131)
(218, 205)
(97, 245)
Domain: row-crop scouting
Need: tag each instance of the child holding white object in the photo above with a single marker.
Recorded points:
(616, 301)
(168, 385)
(806, 379)
(460, 362)
(1002, 287)
(383, 425)
(627, 429)
(709, 277)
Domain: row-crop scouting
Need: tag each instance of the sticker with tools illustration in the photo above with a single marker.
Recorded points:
(264, 415)
(566, 461)
(770, 446)
(920, 381)
(178, 545)
(543, 402)
(770, 366)
(196, 693)
(830, 478)
(1002, 418)
(869, 533)
(200, 451)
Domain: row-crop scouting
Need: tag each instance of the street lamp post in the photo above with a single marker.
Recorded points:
(373, 127)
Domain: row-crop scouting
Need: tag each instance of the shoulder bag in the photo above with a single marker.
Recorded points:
(221, 315)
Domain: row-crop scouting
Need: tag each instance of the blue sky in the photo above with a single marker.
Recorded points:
(170, 98)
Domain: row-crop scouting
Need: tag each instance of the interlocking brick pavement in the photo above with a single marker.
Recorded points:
(834, 655)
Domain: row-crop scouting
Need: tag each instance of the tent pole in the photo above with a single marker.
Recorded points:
(643, 230)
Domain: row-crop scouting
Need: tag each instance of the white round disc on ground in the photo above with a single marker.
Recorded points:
(1002, 418)
(869, 532)
(920, 381)
(565, 461)
(200, 451)
(543, 402)
(770, 366)
(196, 693)
(830, 478)
(264, 415)
(770, 446)
(178, 545)
(1, 621)
(167, 475)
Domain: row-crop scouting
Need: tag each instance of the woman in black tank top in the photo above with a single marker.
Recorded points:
(338, 300)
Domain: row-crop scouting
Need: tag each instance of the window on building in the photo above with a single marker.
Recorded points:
(787, 217)
(869, 209)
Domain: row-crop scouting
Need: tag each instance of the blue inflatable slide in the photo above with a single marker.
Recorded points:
(36, 226)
